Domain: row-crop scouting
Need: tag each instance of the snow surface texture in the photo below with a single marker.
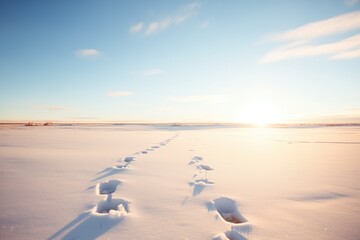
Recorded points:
(143, 182)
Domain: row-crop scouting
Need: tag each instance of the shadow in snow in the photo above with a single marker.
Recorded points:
(320, 197)
(90, 188)
(198, 188)
(199, 185)
(110, 172)
(243, 228)
(185, 200)
(87, 226)
(236, 232)
(210, 206)
(229, 235)
(68, 226)
(10, 145)
(105, 170)
(232, 235)
(93, 224)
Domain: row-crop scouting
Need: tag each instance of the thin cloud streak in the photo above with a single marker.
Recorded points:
(346, 55)
(351, 2)
(336, 48)
(137, 27)
(300, 40)
(119, 94)
(90, 52)
(160, 25)
(314, 30)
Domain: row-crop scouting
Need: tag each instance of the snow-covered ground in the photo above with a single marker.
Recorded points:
(143, 182)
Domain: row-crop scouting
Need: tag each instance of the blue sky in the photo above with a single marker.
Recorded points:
(180, 61)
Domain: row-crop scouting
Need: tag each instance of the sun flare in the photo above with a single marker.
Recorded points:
(260, 113)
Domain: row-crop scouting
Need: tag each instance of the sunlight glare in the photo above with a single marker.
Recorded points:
(260, 113)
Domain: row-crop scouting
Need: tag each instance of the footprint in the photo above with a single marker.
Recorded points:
(116, 207)
(123, 166)
(107, 187)
(192, 162)
(144, 152)
(155, 147)
(227, 209)
(199, 185)
(206, 168)
(203, 182)
(195, 159)
(128, 159)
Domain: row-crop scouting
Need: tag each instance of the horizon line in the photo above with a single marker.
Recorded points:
(184, 123)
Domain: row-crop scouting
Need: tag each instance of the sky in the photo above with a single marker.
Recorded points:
(180, 61)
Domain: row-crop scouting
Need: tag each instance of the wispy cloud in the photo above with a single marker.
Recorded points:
(119, 93)
(217, 98)
(346, 55)
(307, 50)
(160, 25)
(318, 29)
(137, 27)
(152, 72)
(300, 40)
(88, 53)
(351, 2)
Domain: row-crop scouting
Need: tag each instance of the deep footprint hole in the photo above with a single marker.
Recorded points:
(117, 205)
(227, 209)
(128, 159)
(229, 217)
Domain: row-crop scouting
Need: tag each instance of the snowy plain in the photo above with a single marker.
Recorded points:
(183, 182)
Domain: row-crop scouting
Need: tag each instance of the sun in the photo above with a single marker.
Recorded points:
(260, 113)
